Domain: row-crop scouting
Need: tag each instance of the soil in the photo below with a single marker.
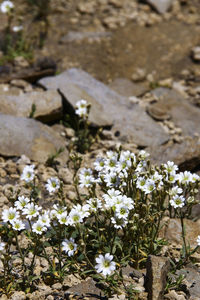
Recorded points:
(159, 44)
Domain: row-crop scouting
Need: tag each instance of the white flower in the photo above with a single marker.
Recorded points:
(10, 215)
(6, 7)
(121, 211)
(22, 202)
(56, 211)
(45, 219)
(122, 165)
(175, 191)
(2, 245)
(128, 157)
(195, 178)
(105, 264)
(86, 172)
(110, 164)
(172, 177)
(86, 181)
(156, 177)
(119, 223)
(28, 173)
(63, 218)
(69, 246)
(112, 155)
(53, 184)
(75, 217)
(184, 177)
(112, 193)
(99, 164)
(112, 179)
(170, 167)
(112, 198)
(198, 240)
(143, 154)
(149, 186)
(141, 183)
(18, 225)
(39, 227)
(177, 201)
(94, 204)
(84, 209)
(31, 210)
(82, 108)
(128, 202)
(17, 28)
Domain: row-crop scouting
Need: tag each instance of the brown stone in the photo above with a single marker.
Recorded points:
(157, 269)
(26, 136)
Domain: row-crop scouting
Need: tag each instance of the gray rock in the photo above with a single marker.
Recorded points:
(130, 121)
(127, 88)
(185, 154)
(65, 175)
(192, 278)
(26, 136)
(158, 112)
(86, 288)
(74, 36)
(48, 105)
(171, 231)
(183, 114)
(172, 295)
(162, 6)
(18, 296)
(157, 269)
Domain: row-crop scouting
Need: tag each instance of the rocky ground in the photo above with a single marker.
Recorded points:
(137, 63)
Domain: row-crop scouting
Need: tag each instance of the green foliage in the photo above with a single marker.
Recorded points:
(33, 111)
(174, 282)
(85, 135)
(51, 161)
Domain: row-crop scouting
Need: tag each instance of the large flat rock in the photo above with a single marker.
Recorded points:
(130, 121)
(185, 154)
(127, 88)
(48, 104)
(183, 114)
(20, 135)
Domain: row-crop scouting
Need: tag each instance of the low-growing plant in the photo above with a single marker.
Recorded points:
(15, 42)
(114, 220)
(85, 135)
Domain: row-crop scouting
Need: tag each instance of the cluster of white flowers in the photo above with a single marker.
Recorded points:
(86, 179)
(114, 170)
(116, 174)
(179, 182)
(82, 108)
(6, 6)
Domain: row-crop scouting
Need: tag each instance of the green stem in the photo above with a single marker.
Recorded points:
(183, 236)
(112, 243)
(84, 247)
